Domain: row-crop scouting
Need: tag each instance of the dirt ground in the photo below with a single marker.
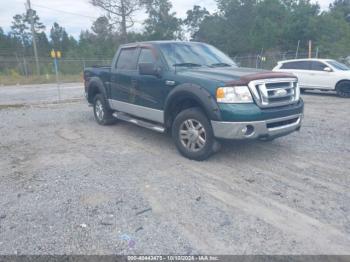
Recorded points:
(69, 186)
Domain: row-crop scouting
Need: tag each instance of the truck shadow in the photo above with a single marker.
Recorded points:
(319, 93)
(162, 144)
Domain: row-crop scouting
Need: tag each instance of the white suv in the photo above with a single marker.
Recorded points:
(321, 74)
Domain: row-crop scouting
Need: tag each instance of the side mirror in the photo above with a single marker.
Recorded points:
(149, 69)
(327, 69)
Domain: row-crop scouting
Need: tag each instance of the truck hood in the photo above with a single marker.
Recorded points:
(231, 75)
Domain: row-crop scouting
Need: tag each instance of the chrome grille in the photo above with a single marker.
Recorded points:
(275, 92)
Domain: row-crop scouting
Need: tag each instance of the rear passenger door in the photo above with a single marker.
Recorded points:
(301, 69)
(123, 76)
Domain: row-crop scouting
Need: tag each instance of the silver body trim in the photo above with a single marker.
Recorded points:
(136, 110)
(233, 130)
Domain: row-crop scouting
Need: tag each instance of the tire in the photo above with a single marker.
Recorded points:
(343, 89)
(193, 134)
(103, 115)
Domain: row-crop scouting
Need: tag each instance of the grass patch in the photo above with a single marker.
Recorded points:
(42, 79)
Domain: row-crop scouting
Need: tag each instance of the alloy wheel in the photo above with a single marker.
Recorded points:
(192, 135)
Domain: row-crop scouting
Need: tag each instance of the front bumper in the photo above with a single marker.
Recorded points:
(264, 129)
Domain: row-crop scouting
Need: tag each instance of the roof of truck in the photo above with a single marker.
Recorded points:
(161, 42)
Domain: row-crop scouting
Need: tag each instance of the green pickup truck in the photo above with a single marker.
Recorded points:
(194, 91)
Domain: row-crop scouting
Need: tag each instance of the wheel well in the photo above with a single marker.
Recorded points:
(178, 105)
(341, 81)
(93, 91)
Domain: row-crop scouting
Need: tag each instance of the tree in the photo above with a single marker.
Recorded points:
(102, 28)
(59, 38)
(341, 7)
(161, 24)
(19, 30)
(43, 45)
(120, 12)
(194, 18)
(38, 26)
(21, 24)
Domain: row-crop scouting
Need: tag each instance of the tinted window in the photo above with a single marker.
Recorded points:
(299, 65)
(146, 56)
(127, 59)
(338, 65)
(318, 66)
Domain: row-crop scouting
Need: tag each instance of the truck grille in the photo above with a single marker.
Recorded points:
(275, 92)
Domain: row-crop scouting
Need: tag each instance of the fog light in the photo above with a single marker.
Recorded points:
(248, 130)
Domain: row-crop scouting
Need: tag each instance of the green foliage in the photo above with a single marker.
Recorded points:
(194, 19)
(161, 23)
(247, 26)
(237, 27)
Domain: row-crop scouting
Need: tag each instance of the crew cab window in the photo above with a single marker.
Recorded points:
(298, 65)
(146, 56)
(127, 59)
(318, 66)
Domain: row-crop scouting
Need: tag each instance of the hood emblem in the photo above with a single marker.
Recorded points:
(281, 92)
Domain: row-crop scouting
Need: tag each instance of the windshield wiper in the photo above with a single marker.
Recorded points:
(187, 64)
(220, 65)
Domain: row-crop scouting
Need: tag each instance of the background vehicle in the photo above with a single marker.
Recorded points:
(320, 74)
(196, 92)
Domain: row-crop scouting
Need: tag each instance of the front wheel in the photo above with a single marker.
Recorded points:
(343, 89)
(193, 134)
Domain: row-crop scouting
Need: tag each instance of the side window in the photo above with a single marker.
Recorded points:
(318, 66)
(127, 59)
(146, 56)
(298, 65)
(287, 65)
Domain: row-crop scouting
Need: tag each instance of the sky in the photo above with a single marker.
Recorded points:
(77, 15)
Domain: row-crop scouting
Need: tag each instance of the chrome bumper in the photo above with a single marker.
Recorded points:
(257, 129)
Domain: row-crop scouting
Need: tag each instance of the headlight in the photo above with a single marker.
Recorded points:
(235, 94)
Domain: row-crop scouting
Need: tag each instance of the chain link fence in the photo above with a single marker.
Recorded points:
(26, 66)
(267, 61)
(22, 70)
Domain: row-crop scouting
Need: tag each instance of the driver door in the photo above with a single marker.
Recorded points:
(149, 89)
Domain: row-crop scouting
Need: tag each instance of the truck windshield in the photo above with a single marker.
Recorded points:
(338, 65)
(194, 55)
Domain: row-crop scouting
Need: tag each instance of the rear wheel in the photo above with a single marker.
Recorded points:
(193, 134)
(103, 115)
(343, 89)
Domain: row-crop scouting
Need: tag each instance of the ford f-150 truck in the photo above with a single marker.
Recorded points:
(194, 91)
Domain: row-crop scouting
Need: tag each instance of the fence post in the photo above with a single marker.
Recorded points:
(25, 66)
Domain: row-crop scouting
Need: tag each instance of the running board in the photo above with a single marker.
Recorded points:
(139, 122)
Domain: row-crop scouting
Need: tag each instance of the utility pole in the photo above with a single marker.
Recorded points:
(297, 52)
(310, 48)
(31, 18)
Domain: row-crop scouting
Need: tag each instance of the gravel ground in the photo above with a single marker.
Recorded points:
(69, 186)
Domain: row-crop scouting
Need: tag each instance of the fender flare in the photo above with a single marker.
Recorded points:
(95, 82)
(197, 93)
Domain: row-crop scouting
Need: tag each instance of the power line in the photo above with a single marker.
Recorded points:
(61, 11)
(72, 13)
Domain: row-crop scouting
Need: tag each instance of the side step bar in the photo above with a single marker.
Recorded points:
(139, 122)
